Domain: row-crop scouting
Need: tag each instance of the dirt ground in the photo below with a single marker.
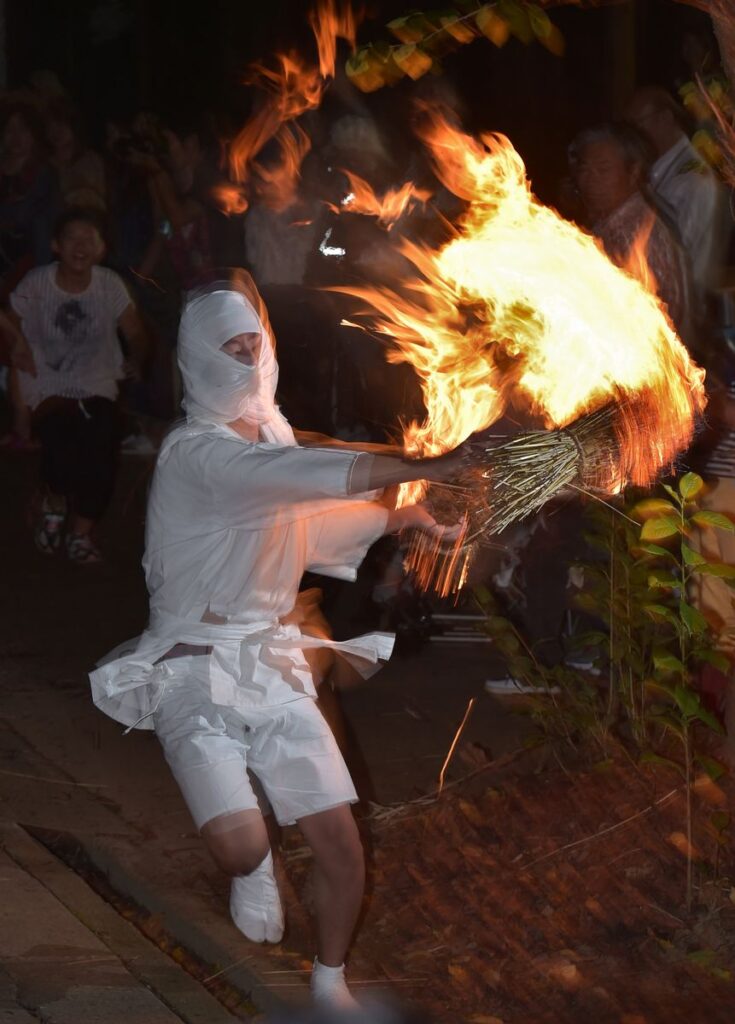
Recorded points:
(524, 893)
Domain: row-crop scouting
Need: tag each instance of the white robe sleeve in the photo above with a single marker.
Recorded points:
(259, 485)
(338, 540)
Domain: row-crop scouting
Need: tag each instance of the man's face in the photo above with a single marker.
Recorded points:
(245, 348)
(642, 114)
(17, 139)
(80, 246)
(604, 178)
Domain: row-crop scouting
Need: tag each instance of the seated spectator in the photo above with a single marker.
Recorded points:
(609, 164)
(80, 171)
(69, 313)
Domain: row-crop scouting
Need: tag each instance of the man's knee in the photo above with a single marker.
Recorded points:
(236, 851)
(335, 840)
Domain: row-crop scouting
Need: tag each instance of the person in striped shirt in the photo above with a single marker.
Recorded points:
(69, 313)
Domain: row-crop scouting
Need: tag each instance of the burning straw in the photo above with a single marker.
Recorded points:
(514, 478)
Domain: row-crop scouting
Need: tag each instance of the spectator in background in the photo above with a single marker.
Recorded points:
(686, 191)
(138, 255)
(70, 312)
(609, 164)
(29, 198)
(131, 214)
(28, 205)
(80, 171)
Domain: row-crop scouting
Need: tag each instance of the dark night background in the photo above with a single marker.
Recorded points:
(117, 56)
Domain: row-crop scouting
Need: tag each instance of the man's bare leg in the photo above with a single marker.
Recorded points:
(339, 882)
(240, 846)
(339, 879)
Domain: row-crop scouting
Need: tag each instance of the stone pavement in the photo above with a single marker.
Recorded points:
(66, 957)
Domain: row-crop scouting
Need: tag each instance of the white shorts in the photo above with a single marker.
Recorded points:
(210, 748)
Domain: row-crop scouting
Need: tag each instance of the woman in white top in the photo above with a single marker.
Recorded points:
(237, 512)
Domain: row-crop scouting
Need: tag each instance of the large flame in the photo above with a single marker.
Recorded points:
(522, 307)
(289, 88)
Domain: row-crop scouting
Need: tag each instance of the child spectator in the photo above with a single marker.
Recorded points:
(70, 312)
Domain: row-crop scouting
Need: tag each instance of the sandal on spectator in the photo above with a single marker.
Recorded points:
(80, 548)
(47, 534)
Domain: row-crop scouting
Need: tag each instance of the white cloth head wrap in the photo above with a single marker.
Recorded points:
(217, 388)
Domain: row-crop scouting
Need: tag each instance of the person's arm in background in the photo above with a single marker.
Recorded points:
(15, 346)
(136, 337)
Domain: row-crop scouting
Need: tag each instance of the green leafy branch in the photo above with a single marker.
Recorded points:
(425, 37)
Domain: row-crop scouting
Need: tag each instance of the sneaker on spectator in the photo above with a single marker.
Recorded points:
(47, 534)
(580, 663)
(510, 686)
(80, 548)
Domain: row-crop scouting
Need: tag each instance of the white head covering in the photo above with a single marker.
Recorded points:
(217, 388)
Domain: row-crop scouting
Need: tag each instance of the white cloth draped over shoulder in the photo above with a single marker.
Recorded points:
(231, 527)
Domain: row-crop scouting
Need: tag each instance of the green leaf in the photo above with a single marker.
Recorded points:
(690, 485)
(497, 625)
(715, 769)
(408, 29)
(660, 611)
(483, 597)
(651, 757)
(656, 549)
(671, 492)
(662, 579)
(507, 643)
(462, 31)
(702, 957)
(521, 666)
(659, 686)
(668, 721)
(667, 662)
(706, 518)
(517, 18)
(492, 25)
(708, 719)
(540, 21)
(693, 619)
(716, 658)
(657, 529)
(651, 508)
(719, 569)
(412, 60)
(690, 556)
(687, 700)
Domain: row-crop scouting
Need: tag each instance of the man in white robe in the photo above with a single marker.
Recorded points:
(237, 512)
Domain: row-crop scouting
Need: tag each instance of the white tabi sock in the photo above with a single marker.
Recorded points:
(255, 904)
(329, 988)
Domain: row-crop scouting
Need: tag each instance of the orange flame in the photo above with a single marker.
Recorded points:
(290, 88)
(230, 198)
(387, 209)
(330, 22)
(521, 306)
